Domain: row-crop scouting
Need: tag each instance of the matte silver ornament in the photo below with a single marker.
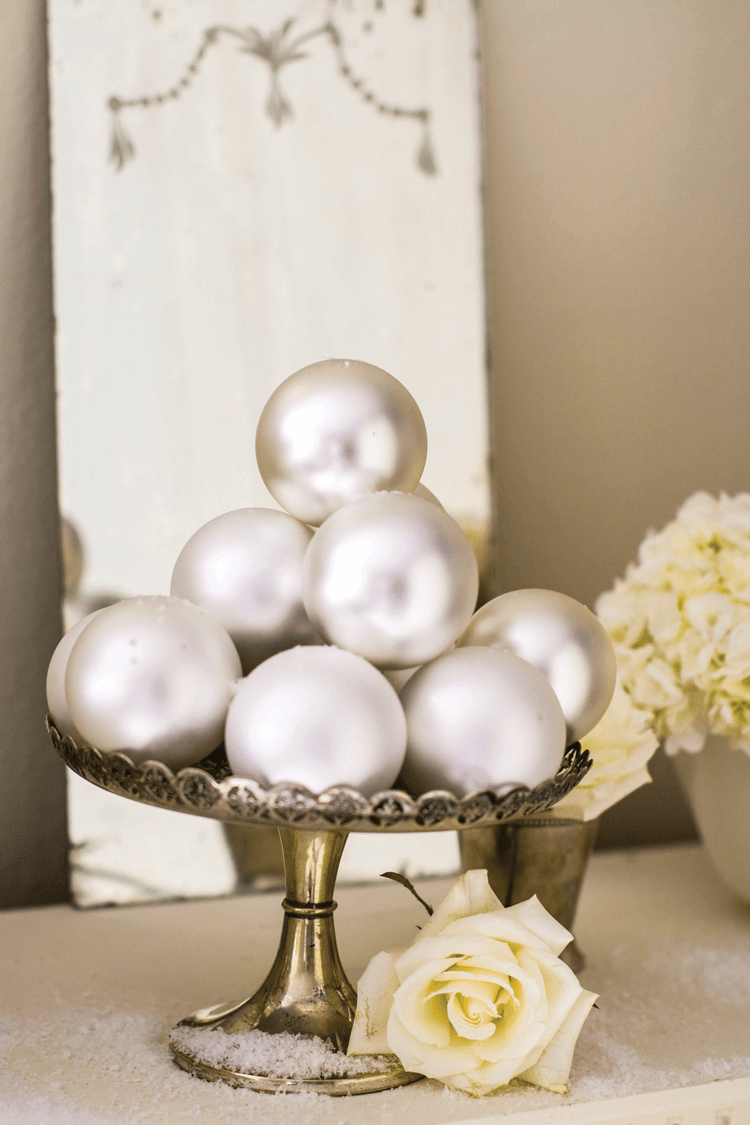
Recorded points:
(392, 578)
(397, 677)
(57, 700)
(423, 492)
(152, 677)
(245, 567)
(560, 637)
(337, 430)
(477, 718)
(318, 717)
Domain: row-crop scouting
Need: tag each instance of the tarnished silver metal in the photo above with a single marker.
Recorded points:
(306, 991)
(209, 790)
(536, 856)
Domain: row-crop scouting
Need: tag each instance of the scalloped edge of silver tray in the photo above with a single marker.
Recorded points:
(208, 789)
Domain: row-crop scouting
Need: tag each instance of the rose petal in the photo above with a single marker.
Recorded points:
(591, 803)
(375, 990)
(485, 991)
(422, 1016)
(509, 925)
(521, 1028)
(471, 1018)
(561, 986)
(460, 972)
(424, 1058)
(486, 1078)
(470, 894)
(533, 915)
(448, 949)
(553, 1067)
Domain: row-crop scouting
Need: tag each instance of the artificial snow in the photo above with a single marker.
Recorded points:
(281, 1055)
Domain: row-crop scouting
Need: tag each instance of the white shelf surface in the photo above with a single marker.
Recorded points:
(87, 1000)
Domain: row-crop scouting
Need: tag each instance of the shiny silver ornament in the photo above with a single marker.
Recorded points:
(245, 568)
(398, 677)
(337, 430)
(477, 718)
(423, 492)
(560, 637)
(318, 717)
(392, 578)
(152, 677)
(57, 700)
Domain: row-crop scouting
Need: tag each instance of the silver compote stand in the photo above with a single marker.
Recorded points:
(306, 991)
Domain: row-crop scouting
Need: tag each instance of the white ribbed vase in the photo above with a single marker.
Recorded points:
(717, 783)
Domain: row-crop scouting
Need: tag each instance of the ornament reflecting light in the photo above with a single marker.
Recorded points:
(318, 717)
(392, 578)
(563, 640)
(151, 677)
(423, 492)
(477, 718)
(337, 430)
(245, 567)
(57, 700)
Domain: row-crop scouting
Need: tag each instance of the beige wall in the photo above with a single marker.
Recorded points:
(33, 852)
(618, 171)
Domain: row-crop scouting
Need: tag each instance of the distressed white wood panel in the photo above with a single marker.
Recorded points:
(230, 251)
(272, 211)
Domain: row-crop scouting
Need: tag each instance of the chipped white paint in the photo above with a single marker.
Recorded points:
(264, 217)
(229, 251)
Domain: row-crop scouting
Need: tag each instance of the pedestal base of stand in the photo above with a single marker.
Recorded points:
(382, 1076)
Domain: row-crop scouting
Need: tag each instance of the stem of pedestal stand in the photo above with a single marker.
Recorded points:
(306, 991)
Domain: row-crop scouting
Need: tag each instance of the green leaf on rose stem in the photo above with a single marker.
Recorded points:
(397, 878)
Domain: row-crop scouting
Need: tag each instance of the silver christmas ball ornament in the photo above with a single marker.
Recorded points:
(392, 578)
(152, 677)
(423, 492)
(563, 640)
(316, 717)
(478, 718)
(245, 568)
(398, 677)
(337, 430)
(57, 700)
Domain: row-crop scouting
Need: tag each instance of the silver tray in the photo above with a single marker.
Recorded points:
(210, 790)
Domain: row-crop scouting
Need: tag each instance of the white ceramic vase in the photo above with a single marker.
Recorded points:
(717, 783)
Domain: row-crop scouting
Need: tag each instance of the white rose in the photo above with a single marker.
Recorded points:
(478, 998)
(620, 745)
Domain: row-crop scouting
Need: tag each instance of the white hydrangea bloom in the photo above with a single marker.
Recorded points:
(680, 624)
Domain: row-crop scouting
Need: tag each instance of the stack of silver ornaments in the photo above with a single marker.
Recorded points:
(287, 633)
